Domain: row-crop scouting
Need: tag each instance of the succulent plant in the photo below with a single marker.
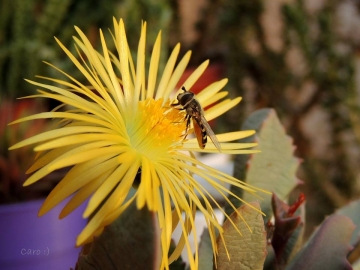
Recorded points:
(330, 245)
(274, 241)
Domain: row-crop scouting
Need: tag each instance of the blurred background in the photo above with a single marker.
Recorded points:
(300, 57)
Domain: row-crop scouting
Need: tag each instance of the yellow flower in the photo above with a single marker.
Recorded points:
(121, 125)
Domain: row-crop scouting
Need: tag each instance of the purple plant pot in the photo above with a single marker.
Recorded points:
(35, 243)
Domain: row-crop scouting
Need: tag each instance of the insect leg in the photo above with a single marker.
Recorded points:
(187, 118)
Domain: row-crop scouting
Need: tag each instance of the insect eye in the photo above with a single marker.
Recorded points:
(185, 98)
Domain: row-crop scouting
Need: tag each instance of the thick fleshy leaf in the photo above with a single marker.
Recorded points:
(292, 245)
(356, 265)
(287, 222)
(205, 251)
(178, 264)
(352, 211)
(295, 241)
(274, 168)
(247, 251)
(328, 247)
(270, 262)
(131, 241)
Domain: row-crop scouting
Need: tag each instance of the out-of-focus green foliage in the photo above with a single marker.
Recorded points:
(27, 30)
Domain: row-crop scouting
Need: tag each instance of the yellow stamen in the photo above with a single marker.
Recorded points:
(156, 128)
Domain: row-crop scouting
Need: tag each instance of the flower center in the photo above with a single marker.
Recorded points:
(156, 127)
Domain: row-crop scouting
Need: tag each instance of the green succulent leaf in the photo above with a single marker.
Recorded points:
(352, 211)
(295, 241)
(178, 264)
(328, 247)
(205, 251)
(274, 168)
(270, 261)
(288, 229)
(247, 251)
(130, 242)
(356, 265)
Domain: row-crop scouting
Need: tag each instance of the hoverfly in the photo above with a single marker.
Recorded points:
(195, 112)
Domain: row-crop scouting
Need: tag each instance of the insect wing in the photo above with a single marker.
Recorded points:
(210, 133)
(199, 134)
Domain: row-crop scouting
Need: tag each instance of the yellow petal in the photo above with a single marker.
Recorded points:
(140, 66)
(221, 108)
(169, 67)
(84, 193)
(153, 69)
(111, 182)
(79, 176)
(211, 90)
(175, 77)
